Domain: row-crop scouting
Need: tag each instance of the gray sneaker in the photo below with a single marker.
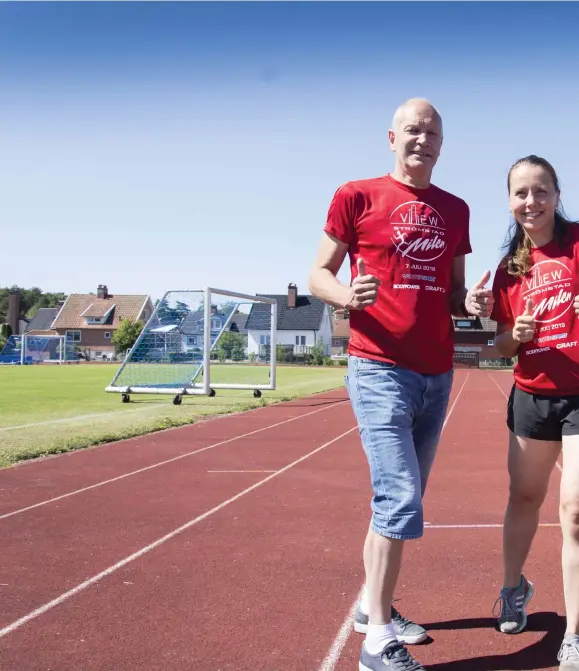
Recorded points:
(569, 653)
(406, 631)
(512, 619)
(394, 656)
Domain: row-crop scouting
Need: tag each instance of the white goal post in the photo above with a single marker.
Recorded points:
(199, 341)
(38, 349)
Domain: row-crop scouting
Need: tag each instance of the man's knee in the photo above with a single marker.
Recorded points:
(401, 520)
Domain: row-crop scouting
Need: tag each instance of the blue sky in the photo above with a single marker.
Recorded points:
(165, 146)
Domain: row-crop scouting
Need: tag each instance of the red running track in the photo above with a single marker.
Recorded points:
(235, 544)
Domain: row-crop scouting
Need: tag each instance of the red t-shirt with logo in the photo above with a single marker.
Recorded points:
(548, 364)
(407, 238)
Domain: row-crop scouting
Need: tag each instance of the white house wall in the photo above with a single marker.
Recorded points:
(289, 337)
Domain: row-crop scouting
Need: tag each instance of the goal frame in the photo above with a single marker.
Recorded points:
(25, 338)
(205, 388)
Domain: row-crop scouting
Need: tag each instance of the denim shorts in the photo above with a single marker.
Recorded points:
(400, 414)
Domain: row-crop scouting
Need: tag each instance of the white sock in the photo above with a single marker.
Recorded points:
(364, 602)
(378, 636)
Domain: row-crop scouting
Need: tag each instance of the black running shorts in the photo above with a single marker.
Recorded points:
(542, 417)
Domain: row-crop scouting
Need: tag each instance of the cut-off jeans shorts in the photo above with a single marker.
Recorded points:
(400, 415)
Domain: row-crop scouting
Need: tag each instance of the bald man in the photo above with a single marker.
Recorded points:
(406, 240)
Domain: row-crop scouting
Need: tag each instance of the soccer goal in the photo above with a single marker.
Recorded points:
(33, 349)
(470, 359)
(197, 342)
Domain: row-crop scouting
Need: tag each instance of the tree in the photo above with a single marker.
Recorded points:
(126, 335)
(168, 314)
(5, 333)
(30, 301)
(231, 346)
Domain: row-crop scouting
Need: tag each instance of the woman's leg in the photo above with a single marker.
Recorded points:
(569, 516)
(530, 464)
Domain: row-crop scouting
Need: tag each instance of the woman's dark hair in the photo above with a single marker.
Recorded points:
(517, 260)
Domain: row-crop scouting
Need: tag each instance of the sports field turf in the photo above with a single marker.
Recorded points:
(52, 409)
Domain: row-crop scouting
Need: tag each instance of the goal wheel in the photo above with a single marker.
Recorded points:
(125, 398)
(177, 400)
(256, 393)
(212, 392)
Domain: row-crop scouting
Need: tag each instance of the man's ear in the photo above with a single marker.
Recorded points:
(391, 139)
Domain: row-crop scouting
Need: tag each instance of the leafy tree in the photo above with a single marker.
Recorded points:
(5, 333)
(318, 353)
(126, 335)
(172, 314)
(232, 346)
(31, 300)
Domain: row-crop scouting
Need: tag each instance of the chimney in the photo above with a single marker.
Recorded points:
(102, 291)
(292, 295)
(13, 316)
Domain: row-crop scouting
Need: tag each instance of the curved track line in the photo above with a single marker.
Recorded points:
(163, 463)
(155, 544)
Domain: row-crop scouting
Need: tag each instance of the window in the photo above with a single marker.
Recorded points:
(107, 335)
(216, 324)
(191, 341)
(300, 340)
(74, 336)
(265, 340)
(490, 342)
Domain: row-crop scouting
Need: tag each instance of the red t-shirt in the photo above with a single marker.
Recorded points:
(549, 364)
(408, 238)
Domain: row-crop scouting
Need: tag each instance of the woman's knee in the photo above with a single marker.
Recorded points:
(525, 496)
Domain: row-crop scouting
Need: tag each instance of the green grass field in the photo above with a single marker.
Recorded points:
(53, 409)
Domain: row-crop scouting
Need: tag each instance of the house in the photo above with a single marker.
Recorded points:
(341, 332)
(90, 320)
(178, 331)
(474, 339)
(302, 322)
(41, 323)
(192, 326)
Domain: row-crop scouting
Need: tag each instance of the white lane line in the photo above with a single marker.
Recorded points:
(241, 471)
(507, 398)
(427, 525)
(115, 567)
(335, 651)
(163, 463)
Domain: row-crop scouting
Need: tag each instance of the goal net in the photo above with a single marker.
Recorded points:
(199, 341)
(470, 359)
(32, 349)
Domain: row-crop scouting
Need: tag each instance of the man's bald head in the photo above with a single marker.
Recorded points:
(416, 139)
(415, 108)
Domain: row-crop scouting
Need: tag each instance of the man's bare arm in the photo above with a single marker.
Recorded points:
(458, 287)
(324, 284)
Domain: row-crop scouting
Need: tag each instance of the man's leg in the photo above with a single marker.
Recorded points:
(382, 559)
(430, 421)
(385, 399)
